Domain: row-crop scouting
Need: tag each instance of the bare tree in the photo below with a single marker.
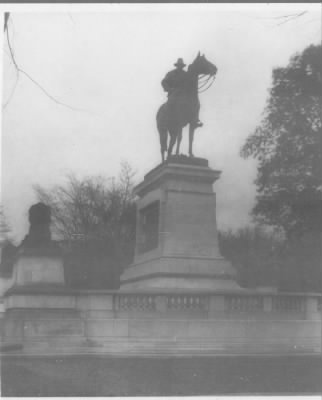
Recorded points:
(95, 218)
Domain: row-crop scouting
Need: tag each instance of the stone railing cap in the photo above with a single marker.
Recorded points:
(63, 290)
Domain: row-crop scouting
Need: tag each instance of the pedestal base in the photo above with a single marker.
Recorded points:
(181, 273)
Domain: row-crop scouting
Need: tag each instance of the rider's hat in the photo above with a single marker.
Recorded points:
(180, 63)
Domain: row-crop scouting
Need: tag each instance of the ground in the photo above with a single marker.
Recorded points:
(106, 376)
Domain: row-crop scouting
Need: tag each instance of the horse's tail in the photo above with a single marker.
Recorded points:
(162, 128)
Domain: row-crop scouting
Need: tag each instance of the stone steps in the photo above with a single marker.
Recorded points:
(163, 348)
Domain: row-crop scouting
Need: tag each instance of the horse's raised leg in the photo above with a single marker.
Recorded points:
(179, 138)
(191, 135)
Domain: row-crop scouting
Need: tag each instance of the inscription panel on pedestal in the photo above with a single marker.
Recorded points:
(191, 225)
(149, 227)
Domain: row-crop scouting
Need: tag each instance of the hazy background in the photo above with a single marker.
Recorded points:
(109, 65)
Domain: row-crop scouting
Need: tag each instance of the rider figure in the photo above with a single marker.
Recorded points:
(175, 81)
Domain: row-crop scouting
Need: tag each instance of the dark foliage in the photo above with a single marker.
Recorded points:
(265, 258)
(288, 147)
(255, 253)
(301, 265)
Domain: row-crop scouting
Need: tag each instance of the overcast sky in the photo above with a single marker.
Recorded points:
(109, 65)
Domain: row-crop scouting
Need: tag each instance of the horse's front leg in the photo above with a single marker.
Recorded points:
(191, 135)
(179, 138)
(163, 140)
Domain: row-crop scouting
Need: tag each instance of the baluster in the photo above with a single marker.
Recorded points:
(255, 303)
(172, 302)
(244, 301)
(251, 304)
(239, 302)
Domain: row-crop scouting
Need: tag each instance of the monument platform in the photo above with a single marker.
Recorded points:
(182, 301)
(176, 237)
(44, 320)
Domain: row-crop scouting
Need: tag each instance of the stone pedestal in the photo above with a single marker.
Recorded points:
(38, 266)
(39, 260)
(176, 238)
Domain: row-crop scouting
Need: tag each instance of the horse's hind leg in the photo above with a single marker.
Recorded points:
(179, 138)
(163, 133)
(173, 137)
(191, 135)
(162, 129)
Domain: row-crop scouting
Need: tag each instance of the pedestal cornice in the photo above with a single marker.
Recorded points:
(188, 172)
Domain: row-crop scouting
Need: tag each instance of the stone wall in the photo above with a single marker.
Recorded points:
(163, 323)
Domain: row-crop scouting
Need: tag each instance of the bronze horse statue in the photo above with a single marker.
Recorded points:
(182, 107)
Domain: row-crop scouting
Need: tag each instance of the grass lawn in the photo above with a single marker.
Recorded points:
(105, 376)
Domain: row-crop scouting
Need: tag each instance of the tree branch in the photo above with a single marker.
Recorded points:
(291, 17)
(20, 70)
(6, 19)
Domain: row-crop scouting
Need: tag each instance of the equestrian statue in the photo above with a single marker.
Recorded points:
(182, 107)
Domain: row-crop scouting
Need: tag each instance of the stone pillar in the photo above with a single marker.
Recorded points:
(267, 303)
(161, 303)
(38, 298)
(216, 305)
(311, 308)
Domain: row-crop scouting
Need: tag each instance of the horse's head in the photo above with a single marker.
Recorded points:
(201, 66)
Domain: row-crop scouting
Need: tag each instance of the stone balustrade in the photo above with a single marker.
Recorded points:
(208, 305)
(288, 303)
(237, 303)
(187, 302)
(301, 306)
(135, 302)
